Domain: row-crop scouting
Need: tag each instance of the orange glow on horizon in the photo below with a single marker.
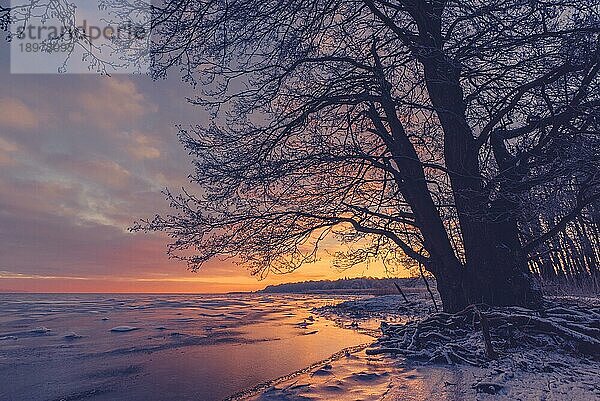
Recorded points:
(182, 282)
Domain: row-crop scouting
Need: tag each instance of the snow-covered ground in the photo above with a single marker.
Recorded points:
(367, 378)
(526, 374)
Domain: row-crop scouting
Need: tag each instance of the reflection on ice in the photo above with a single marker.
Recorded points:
(145, 347)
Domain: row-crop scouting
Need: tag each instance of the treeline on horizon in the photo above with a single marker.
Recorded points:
(361, 283)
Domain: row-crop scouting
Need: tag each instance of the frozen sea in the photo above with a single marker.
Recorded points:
(158, 347)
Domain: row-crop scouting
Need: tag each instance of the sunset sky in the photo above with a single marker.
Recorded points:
(82, 157)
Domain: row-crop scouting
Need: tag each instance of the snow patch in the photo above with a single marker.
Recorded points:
(40, 330)
(71, 335)
(123, 329)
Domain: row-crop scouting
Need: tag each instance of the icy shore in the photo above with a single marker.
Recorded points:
(527, 374)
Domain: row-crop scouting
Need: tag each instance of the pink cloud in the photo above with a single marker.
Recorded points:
(112, 104)
(15, 114)
(143, 146)
(7, 151)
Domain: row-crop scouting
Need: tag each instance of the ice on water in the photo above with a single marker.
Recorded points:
(156, 347)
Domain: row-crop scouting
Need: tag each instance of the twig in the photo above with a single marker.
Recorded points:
(401, 292)
(427, 286)
(485, 329)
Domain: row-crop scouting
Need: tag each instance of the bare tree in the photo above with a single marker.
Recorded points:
(570, 254)
(406, 128)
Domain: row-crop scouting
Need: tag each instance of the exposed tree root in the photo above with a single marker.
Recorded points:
(479, 333)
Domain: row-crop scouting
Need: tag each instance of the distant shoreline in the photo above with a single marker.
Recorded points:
(363, 285)
(349, 286)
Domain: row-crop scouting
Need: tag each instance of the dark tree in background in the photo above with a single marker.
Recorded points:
(431, 130)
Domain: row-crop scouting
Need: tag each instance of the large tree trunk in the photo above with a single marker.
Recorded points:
(501, 276)
(496, 272)
(451, 288)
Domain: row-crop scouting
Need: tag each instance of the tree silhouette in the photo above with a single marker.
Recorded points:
(431, 130)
